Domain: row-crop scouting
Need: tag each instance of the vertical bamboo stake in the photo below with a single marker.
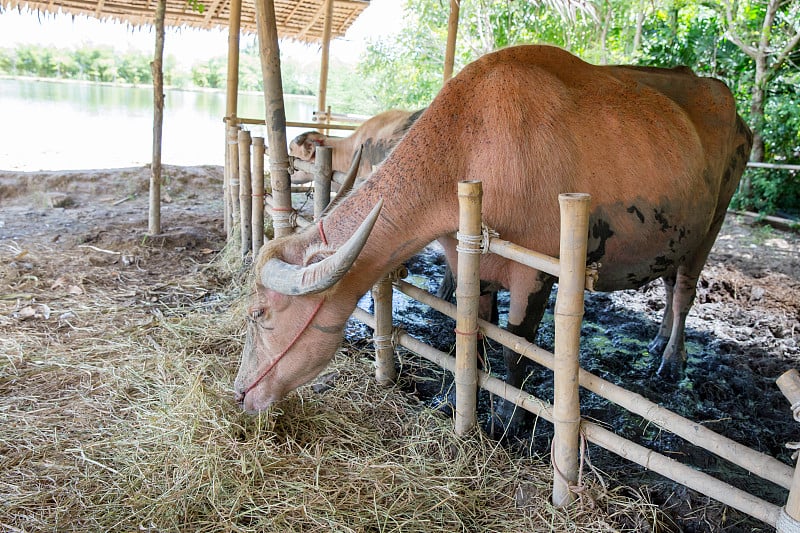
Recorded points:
(470, 194)
(154, 218)
(233, 182)
(226, 178)
(568, 316)
(275, 117)
(789, 519)
(323, 173)
(385, 373)
(452, 31)
(232, 94)
(326, 47)
(245, 191)
(258, 194)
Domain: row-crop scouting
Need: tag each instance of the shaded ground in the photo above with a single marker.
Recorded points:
(741, 333)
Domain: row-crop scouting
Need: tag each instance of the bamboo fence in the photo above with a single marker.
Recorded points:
(571, 266)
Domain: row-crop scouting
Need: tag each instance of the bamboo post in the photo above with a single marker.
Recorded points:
(275, 117)
(325, 60)
(568, 317)
(385, 373)
(789, 519)
(232, 95)
(154, 217)
(323, 172)
(470, 194)
(258, 194)
(452, 31)
(233, 172)
(245, 191)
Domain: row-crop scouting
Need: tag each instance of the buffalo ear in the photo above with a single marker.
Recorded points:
(310, 143)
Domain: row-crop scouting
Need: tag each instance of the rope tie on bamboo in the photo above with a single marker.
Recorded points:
(476, 244)
(580, 489)
(785, 523)
(387, 341)
(284, 217)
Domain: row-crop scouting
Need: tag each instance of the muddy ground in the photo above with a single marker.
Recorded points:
(742, 332)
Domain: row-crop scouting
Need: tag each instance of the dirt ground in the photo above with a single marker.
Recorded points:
(742, 332)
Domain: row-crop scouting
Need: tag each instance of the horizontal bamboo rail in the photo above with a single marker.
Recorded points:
(660, 464)
(776, 166)
(294, 124)
(755, 462)
(308, 166)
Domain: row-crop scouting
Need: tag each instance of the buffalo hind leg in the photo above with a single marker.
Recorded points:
(530, 307)
(673, 359)
(657, 346)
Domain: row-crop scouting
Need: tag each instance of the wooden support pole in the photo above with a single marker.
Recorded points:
(323, 173)
(245, 191)
(325, 61)
(452, 32)
(789, 519)
(157, 68)
(233, 180)
(275, 117)
(568, 317)
(231, 102)
(470, 194)
(385, 372)
(258, 194)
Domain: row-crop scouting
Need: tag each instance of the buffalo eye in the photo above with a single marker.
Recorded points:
(256, 313)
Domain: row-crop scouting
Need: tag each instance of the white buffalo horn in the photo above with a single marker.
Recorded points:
(347, 184)
(296, 280)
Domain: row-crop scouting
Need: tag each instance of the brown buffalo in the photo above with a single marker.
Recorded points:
(660, 151)
(378, 135)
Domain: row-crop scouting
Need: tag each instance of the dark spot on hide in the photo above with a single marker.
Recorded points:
(376, 152)
(727, 176)
(661, 219)
(600, 231)
(635, 210)
(403, 129)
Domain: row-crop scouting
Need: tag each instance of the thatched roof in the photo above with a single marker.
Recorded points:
(296, 19)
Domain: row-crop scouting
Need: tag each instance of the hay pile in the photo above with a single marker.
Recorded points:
(117, 414)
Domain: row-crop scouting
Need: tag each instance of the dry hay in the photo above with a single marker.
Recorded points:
(117, 414)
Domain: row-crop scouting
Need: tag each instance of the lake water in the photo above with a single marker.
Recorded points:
(52, 125)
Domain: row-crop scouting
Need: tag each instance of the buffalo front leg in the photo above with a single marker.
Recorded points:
(526, 309)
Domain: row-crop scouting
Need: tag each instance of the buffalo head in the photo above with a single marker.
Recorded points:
(293, 324)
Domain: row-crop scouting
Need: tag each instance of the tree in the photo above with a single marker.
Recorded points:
(767, 33)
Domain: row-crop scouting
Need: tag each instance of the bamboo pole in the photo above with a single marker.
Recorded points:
(258, 194)
(568, 317)
(275, 117)
(326, 53)
(658, 463)
(245, 191)
(470, 194)
(157, 68)
(233, 181)
(452, 32)
(385, 372)
(323, 171)
(789, 521)
(755, 462)
(231, 102)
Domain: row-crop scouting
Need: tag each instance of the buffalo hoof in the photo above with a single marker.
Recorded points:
(657, 346)
(671, 371)
(505, 420)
